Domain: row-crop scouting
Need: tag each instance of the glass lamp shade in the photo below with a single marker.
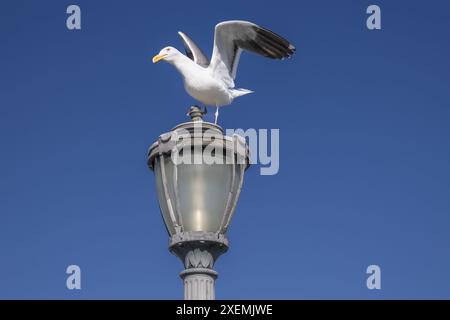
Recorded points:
(197, 197)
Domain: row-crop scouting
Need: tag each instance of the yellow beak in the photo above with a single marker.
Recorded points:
(158, 57)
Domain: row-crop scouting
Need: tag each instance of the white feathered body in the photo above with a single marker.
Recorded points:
(200, 84)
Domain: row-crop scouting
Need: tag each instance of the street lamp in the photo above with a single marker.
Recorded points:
(199, 173)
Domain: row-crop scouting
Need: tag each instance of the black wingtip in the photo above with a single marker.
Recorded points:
(283, 48)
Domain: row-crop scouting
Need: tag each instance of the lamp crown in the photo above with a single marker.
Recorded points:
(196, 113)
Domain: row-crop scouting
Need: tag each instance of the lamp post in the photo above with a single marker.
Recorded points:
(199, 173)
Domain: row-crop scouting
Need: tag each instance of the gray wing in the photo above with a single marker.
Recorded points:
(193, 51)
(233, 37)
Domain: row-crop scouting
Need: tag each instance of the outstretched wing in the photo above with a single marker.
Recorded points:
(232, 37)
(193, 51)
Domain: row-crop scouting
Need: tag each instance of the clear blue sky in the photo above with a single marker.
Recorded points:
(364, 165)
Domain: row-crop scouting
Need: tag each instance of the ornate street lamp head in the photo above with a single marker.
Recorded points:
(199, 173)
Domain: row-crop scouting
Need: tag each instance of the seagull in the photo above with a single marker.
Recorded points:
(212, 82)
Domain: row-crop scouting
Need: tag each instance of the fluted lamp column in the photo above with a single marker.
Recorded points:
(199, 173)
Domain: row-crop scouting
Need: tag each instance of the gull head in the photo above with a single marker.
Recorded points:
(168, 54)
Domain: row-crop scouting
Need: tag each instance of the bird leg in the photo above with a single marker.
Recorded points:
(216, 114)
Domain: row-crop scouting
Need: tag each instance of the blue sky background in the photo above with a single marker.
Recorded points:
(364, 151)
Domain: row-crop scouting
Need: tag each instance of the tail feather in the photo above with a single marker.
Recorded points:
(240, 92)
